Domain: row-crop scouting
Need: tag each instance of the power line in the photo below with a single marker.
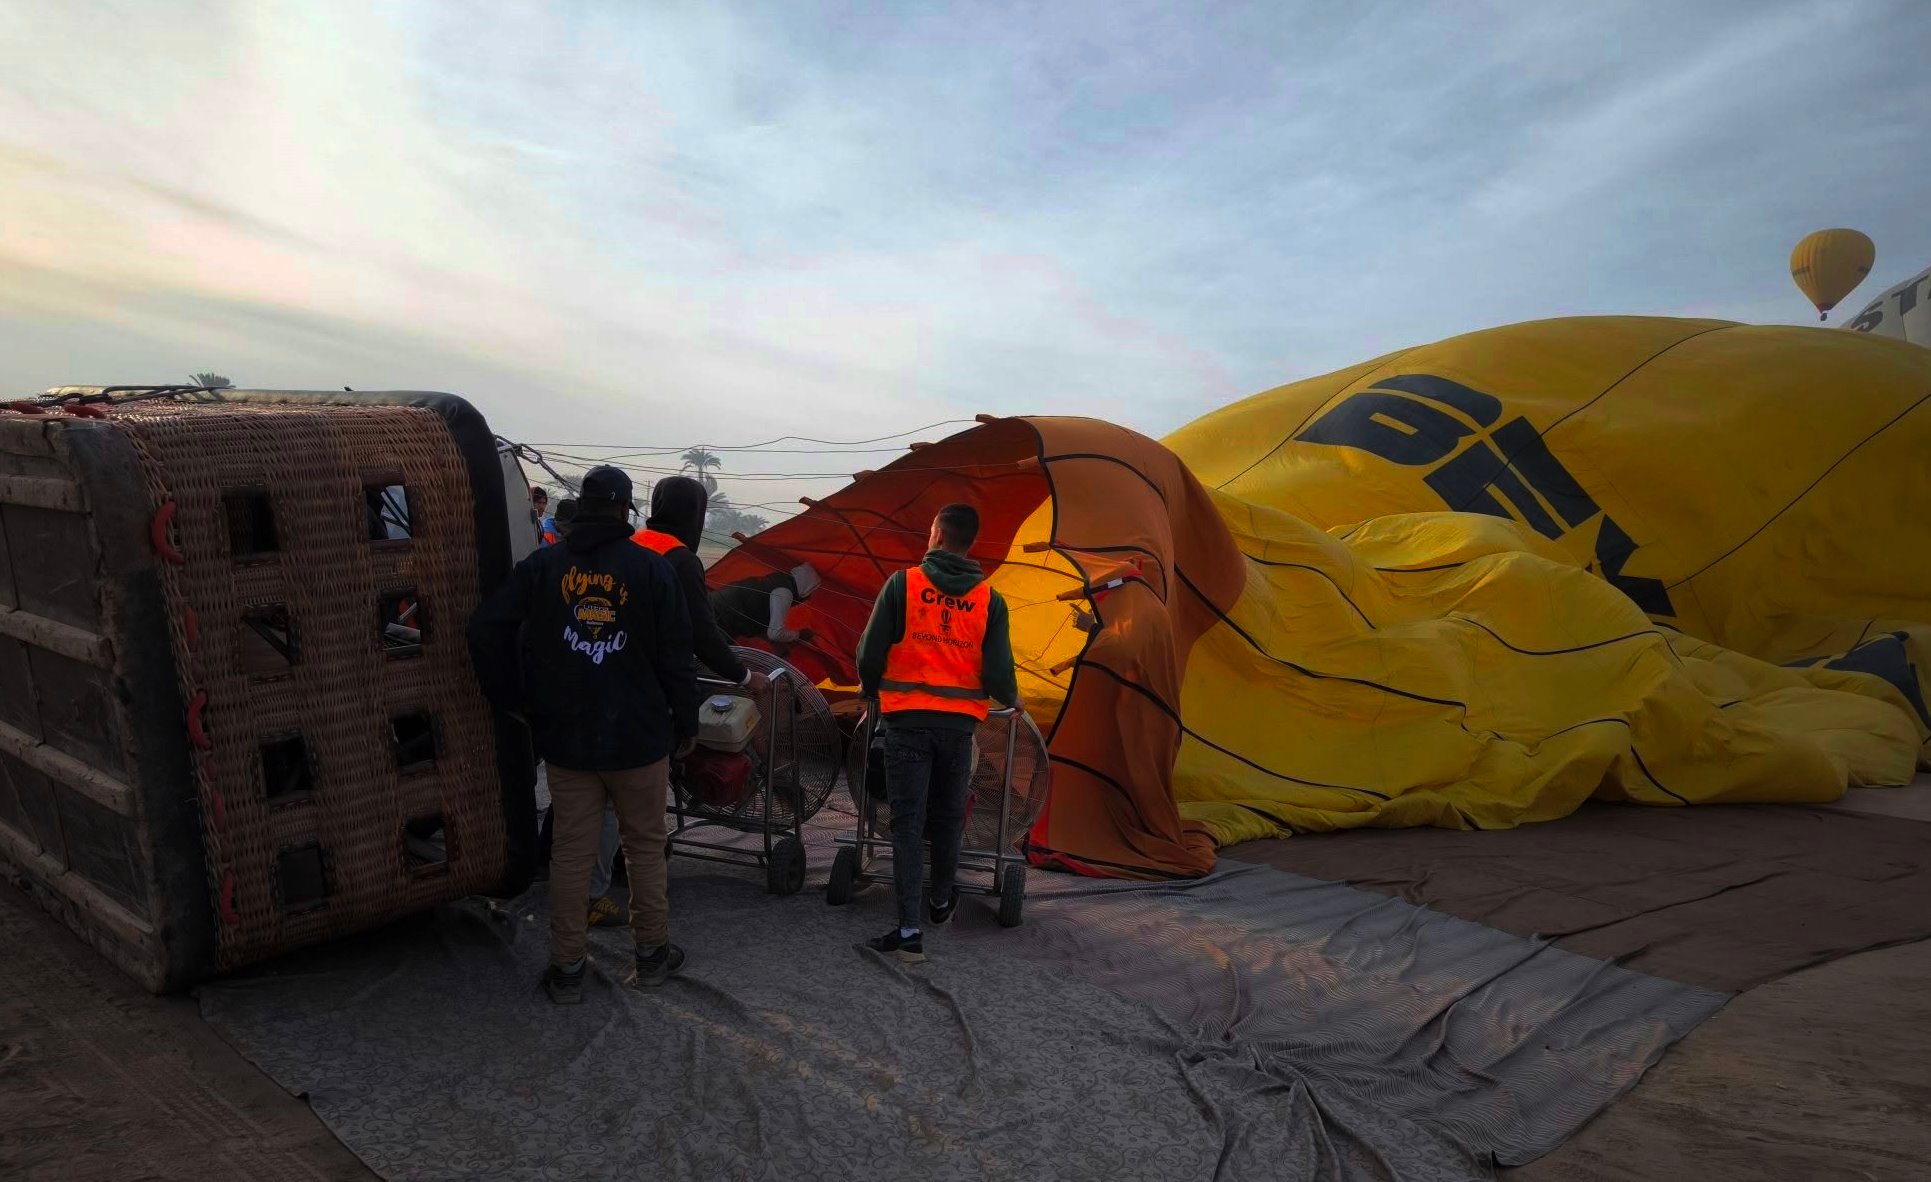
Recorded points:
(768, 444)
(657, 470)
(766, 451)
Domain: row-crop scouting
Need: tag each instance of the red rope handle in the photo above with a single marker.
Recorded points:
(158, 533)
(191, 623)
(82, 410)
(195, 730)
(228, 912)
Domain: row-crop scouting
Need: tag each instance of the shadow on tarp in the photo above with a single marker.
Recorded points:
(1250, 1024)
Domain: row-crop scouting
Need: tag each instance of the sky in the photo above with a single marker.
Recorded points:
(663, 224)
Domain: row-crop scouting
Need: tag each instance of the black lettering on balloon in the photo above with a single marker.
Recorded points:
(1483, 408)
(1399, 430)
(1390, 420)
(1613, 549)
(1888, 658)
(1464, 484)
(1908, 298)
(1539, 466)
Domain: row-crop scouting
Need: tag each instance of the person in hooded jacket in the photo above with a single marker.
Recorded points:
(589, 642)
(937, 648)
(675, 529)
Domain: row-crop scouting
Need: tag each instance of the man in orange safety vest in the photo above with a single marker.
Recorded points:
(936, 653)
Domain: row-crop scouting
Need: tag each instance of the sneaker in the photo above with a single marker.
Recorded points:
(608, 913)
(909, 949)
(564, 986)
(657, 966)
(940, 913)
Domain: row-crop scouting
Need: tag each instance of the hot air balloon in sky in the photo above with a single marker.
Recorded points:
(1829, 264)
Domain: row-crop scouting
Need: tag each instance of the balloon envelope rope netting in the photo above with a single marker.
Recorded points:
(765, 764)
(1010, 778)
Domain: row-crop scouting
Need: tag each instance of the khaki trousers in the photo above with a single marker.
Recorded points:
(576, 824)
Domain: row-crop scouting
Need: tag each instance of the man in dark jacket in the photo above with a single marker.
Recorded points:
(674, 529)
(589, 641)
(937, 647)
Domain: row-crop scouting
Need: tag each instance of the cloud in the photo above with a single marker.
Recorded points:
(673, 223)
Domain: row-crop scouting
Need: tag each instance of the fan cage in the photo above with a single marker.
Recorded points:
(1031, 781)
(807, 763)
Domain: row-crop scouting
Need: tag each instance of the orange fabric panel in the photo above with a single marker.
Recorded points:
(1121, 506)
(658, 540)
(858, 536)
(1122, 498)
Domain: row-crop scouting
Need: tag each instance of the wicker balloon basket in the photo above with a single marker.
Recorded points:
(236, 711)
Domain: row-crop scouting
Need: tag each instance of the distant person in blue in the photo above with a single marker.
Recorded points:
(546, 526)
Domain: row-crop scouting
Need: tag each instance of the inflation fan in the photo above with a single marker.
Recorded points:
(765, 765)
(1011, 776)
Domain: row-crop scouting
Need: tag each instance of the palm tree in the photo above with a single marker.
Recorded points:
(722, 519)
(210, 381)
(700, 461)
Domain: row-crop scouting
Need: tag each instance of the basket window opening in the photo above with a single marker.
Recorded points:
(403, 623)
(287, 771)
(251, 523)
(389, 516)
(268, 648)
(302, 877)
(415, 741)
(425, 843)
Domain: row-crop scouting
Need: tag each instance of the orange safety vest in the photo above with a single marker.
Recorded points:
(938, 663)
(654, 539)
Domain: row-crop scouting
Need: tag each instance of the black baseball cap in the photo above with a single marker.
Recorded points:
(604, 485)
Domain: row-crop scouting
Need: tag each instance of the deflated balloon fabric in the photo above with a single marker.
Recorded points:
(1471, 584)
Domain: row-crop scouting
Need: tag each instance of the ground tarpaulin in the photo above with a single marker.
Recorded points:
(1253, 1023)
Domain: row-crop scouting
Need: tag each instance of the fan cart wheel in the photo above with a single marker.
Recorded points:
(785, 875)
(1012, 895)
(844, 876)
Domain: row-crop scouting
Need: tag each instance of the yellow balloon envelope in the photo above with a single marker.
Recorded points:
(1829, 264)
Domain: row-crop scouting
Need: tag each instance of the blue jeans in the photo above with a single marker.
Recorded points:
(927, 774)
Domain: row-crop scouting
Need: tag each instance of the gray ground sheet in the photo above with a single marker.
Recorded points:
(1253, 1024)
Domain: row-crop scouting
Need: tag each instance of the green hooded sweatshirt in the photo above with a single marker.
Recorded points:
(952, 574)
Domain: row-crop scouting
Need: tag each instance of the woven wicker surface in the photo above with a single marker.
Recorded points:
(341, 692)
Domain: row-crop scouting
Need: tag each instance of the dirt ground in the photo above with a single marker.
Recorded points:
(101, 1081)
(1825, 1074)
